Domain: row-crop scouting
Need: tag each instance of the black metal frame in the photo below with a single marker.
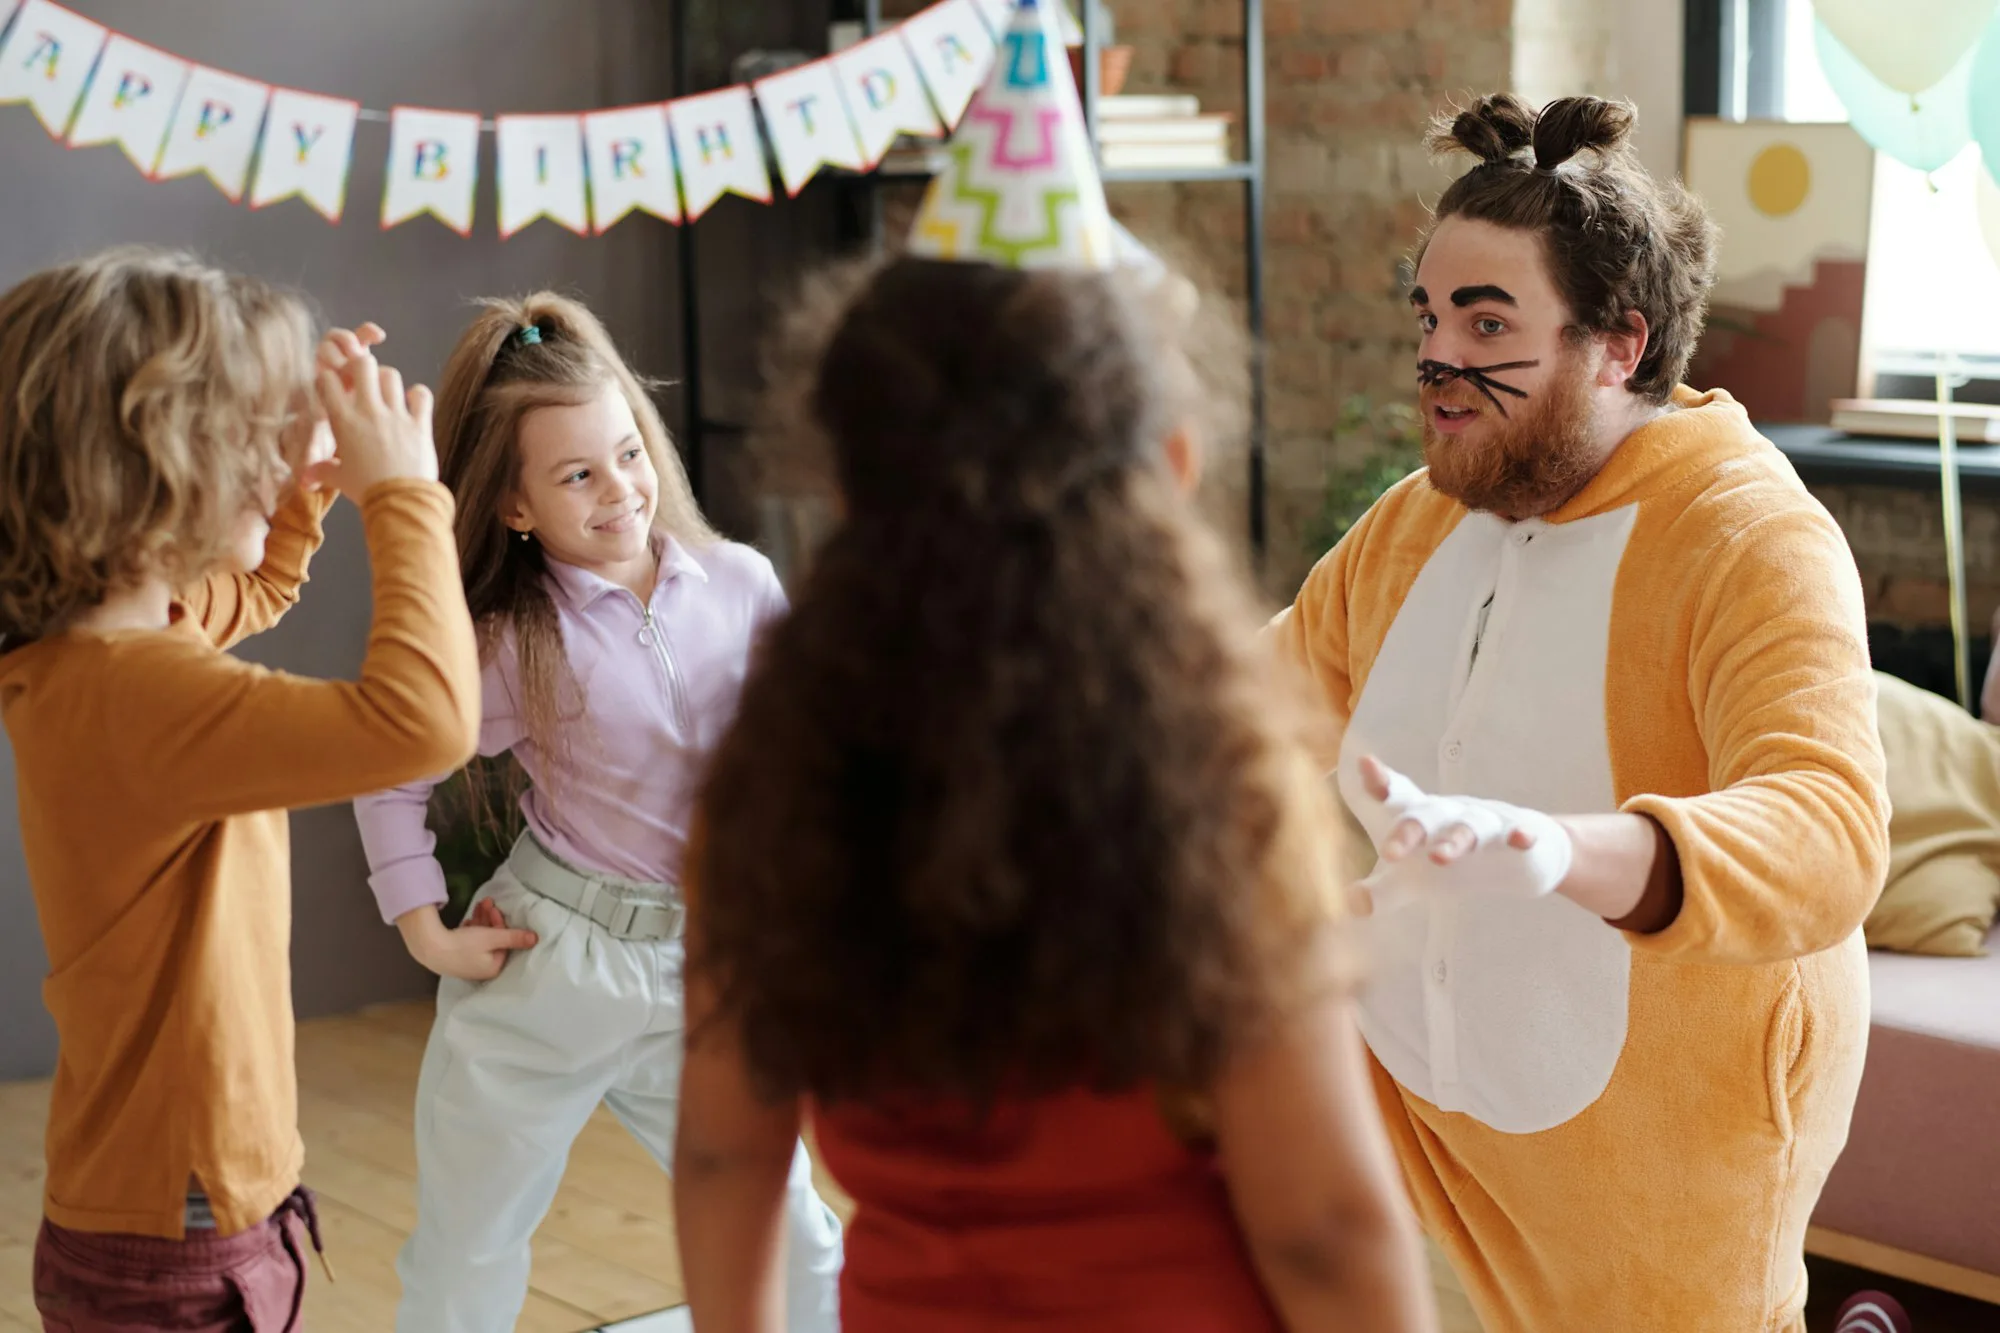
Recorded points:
(1702, 63)
(1248, 173)
(693, 425)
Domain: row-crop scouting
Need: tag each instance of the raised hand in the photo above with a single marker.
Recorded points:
(381, 432)
(1466, 844)
(341, 347)
(310, 451)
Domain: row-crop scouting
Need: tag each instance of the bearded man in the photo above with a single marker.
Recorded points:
(1607, 718)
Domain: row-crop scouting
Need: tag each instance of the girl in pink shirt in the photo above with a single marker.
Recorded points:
(615, 628)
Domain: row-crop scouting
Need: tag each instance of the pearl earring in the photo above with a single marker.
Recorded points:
(524, 536)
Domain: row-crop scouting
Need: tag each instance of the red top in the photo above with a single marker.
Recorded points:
(1068, 1212)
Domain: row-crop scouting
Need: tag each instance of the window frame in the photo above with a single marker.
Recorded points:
(1734, 64)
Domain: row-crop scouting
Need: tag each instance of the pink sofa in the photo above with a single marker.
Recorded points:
(1917, 1193)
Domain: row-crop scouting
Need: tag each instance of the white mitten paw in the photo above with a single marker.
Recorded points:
(1467, 844)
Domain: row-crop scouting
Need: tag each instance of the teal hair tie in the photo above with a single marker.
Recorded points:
(528, 336)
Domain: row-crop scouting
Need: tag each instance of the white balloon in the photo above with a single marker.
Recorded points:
(1909, 44)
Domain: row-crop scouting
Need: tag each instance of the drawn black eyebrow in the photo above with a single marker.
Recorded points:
(1418, 296)
(1466, 296)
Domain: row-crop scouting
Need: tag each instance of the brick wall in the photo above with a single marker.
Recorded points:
(1897, 534)
(1564, 48)
(1349, 87)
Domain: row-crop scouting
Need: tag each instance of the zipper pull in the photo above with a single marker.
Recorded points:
(646, 627)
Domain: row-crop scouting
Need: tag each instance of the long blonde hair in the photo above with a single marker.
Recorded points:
(144, 402)
(492, 381)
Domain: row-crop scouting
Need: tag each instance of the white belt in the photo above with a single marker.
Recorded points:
(628, 909)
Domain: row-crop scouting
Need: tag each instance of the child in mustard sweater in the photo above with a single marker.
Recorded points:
(162, 482)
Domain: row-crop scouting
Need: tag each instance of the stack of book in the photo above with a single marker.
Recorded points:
(1160, 133)
(1973, 423)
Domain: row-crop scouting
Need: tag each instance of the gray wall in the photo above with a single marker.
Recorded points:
(492, 55)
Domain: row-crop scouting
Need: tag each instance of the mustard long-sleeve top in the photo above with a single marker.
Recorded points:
(155, 771)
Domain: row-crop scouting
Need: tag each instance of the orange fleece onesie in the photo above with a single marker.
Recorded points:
(1608, 1131)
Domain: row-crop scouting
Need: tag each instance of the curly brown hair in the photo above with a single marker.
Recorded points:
(145, 403)
(1616, 240)
(492, 380)
(1011, 802)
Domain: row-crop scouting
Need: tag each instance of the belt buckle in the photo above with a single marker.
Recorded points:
(624, 918)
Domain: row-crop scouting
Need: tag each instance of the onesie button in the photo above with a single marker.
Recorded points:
(1523, 538)
(1438, 973)
(1454, 751)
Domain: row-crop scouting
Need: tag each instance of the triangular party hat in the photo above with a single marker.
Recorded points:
(1021, 186)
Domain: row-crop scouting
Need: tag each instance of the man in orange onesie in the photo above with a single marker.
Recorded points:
(1607, 717)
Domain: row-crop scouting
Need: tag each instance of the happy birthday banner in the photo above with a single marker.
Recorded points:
(674, 160)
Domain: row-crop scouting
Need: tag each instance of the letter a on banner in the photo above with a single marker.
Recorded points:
(46, 61)
(631, 165)
(216, 129)
(719, 149)
(540, 163)
(433, 167)
(131, 101)
(951, 46)
(884, 95)
(308, 143)
(808, 123)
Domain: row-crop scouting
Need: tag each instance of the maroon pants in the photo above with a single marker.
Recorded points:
(253, 1282)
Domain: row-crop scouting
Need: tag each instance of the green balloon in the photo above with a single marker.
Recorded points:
(1925, 131)
(1983, 104)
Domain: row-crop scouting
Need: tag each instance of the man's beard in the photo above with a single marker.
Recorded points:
(1519, 466)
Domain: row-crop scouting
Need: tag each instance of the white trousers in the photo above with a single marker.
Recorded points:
(514, 1068)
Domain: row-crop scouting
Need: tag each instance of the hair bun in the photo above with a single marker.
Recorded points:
(1493, 129)
(1569, 125)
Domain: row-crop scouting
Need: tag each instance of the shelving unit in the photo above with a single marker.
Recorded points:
(863, 211)
(1248, 173)
(695, 427)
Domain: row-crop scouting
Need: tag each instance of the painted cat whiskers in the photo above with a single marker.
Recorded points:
(1432, 374)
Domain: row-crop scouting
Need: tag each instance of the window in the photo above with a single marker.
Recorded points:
(1804, 92)
(1933, 282)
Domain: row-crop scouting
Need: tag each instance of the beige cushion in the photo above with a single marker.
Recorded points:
(1944, 830)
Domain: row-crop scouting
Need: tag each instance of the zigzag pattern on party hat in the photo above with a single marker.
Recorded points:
(1020, 187)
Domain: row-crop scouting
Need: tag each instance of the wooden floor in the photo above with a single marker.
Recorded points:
(606, 1252)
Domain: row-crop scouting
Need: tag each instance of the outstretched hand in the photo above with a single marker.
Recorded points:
(1453, 843)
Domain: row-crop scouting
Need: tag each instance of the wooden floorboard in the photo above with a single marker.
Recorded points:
(17, 1295)
(605, 1253)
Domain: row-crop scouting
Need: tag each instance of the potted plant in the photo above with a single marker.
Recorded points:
(1392, 441)
(469, 848)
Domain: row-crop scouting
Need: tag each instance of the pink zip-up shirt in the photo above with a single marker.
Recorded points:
(658, 682)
